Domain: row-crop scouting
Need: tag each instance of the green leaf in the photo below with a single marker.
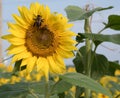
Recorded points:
(61, 95)
(79, 91)
(5, 74)
(61, 86)
(100, 66)
(13, 90)
(76, 13)
(115, 85)
(113, 22)
(80, 38)
(113, 66)
(89, 13)
(22, 89)
(39, 87)
(84, 81)
(114, 38)
(54, 96)
(33, 96)
(79, 60)
(69, 95)
(17, 66)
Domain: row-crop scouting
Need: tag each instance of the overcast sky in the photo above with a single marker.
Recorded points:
(111, 51)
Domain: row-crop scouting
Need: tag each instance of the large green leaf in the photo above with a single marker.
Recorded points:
(114, 38)
(113, 22)
(14, 90)
(84, 81)
(18, 90)
(99, 67)
(76, 13)
(61, 86)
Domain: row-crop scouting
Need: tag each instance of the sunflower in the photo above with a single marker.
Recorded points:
(40, 39)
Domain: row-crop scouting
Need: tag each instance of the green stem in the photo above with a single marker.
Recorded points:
(101, 30)
(88, 56)
(33, 94)
(47, 90)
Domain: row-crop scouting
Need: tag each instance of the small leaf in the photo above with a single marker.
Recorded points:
(79, 60)
(17, 66)
(80, 37)
(84, 81)
(76, 13)
(113, 22)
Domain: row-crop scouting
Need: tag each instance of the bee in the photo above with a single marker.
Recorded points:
(38, 21)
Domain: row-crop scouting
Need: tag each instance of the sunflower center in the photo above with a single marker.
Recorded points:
(40, 42)
(43, 38)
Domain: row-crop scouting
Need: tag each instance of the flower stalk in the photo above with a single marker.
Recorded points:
(47, 95)
(88, 55)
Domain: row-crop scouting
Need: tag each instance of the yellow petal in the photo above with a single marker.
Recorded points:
(42, 65)
(18, 19)
(25, 14)
(21, 55)
(67, 40)
(17, 41)
(10, 47)
(59, 62)
(53, 67)
(24, 62)
(34, 8)
(31, 64)
(17, 49)
(7, 37)
(67, 47)
(17, 33)
(14, 40)
(67, 34)
(47, 14)
(17, 27)
(65, 54)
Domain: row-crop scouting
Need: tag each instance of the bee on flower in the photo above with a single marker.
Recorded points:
(42, 42)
